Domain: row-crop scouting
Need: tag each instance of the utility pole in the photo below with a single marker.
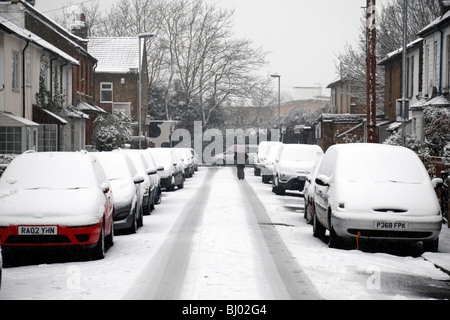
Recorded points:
(405, 41)
(371, 65)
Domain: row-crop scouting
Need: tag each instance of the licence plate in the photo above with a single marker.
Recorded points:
(37, 230)
(391, 225)
(301, 178)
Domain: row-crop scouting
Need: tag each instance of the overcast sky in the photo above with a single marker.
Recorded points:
(302, 36)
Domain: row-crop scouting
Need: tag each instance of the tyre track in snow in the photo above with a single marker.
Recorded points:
(163, 279)
(280, 261)
(198, 259)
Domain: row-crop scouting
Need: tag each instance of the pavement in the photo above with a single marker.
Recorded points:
(441, 259)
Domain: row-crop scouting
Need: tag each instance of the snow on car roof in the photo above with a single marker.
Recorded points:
(116, 165)
(379, 162)
(52, 170)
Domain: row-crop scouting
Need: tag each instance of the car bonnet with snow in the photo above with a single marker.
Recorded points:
(51, 188)
(163, 157)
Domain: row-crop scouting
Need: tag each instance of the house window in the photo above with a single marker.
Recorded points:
(15, 70)
(106, 92)
(48, 137)
(10, 140)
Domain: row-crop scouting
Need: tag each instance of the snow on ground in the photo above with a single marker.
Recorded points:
(345, 274)
(337, 274)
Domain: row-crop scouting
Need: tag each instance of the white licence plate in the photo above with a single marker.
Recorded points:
(301, 178)
(38, 230)
(390, 225)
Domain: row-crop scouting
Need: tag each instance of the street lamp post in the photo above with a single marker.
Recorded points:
(279, 93)
(140, 37)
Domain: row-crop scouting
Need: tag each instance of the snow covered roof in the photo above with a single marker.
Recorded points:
(28, 35)
(115, 54)
(438, 101)
(436, 23)
(342, 117)
(398, 52)
(83, 106)
(10, 120)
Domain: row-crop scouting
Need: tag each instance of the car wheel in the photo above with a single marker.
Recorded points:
(318, 229)
(98, 252)
(140, 219)
(134, 225)
(277, 188)
(110, 237)
(335, 241)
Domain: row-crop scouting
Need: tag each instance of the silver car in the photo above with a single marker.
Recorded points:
(375, 191)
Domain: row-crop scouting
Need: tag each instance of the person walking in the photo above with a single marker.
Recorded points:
(240, 159)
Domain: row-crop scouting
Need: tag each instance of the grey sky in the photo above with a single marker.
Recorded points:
(302, 36)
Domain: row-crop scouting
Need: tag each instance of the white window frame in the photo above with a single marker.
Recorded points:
(102, 89)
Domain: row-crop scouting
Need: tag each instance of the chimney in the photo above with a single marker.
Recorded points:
(444, 6)
(80, 28)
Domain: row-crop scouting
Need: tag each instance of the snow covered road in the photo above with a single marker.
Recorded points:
(221, 238)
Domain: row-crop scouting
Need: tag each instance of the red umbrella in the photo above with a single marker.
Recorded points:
(239, 148)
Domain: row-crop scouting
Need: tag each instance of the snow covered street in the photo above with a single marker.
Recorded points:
(220, 238)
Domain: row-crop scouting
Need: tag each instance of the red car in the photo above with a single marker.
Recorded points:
(56, 199)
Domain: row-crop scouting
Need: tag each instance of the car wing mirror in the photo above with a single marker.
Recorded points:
(138, 179)
(105, 187)
(323, 180)
(151, 171)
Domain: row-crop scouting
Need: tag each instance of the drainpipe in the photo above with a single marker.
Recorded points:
(23, 79)
(440, 62)
(94, 84)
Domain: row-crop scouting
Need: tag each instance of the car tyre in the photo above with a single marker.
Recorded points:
(318, 229)
(110, 237)
(99, 251)
(335, 240)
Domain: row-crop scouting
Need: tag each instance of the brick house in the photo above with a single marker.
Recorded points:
(117, 76)
(393, 77)
(82, 75)
(336, 128)
(342, 101)
(25, 58)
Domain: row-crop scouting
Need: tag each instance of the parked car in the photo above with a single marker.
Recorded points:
(308, 192)
(261, 155)
(222, 159)
(196, 160)
(375, 191)
(172, 175)
(227, 157)
(148, 186)
(1, 265)
(155, 177)
(188, 161)
(268, 164)
(292, 164)
(56, 199)
(125, 182)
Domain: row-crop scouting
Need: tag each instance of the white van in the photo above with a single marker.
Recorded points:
(375, 191)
